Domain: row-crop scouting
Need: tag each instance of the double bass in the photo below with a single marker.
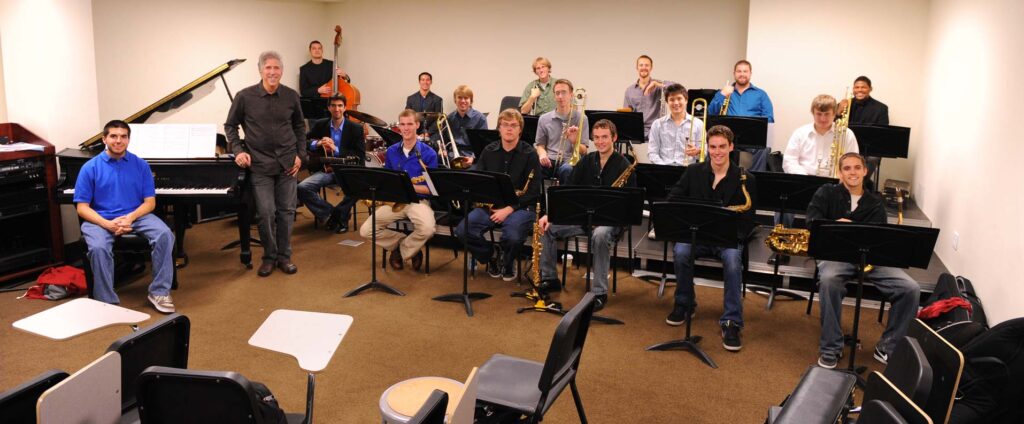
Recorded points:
(338, 84)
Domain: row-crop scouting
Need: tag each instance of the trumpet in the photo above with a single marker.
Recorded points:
(456, 161)
(725, 105)
(579, 102)
(703, 121)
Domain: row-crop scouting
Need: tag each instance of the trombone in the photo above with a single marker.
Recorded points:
(579, 104)
(703, 122)
(456, 161)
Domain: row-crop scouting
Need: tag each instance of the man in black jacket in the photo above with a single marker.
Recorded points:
(597, 169)
(715, 180)
(424, 100)
(331, 137)
(848, 201)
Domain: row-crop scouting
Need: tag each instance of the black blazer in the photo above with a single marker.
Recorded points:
(352, 140)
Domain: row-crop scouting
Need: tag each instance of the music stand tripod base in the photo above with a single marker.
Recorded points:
(464, 298)
(688, 343)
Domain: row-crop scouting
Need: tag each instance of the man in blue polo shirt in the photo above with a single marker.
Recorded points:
(413, 157)
(114, 194)
(745, 99)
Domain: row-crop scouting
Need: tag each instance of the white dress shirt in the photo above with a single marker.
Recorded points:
(808, 153)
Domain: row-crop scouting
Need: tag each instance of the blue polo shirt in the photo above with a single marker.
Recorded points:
(753, 102)
(396, 159)
(114, 187)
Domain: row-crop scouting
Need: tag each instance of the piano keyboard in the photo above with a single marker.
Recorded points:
(177, 191)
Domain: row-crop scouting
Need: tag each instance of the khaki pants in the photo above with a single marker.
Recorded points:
(422, 217)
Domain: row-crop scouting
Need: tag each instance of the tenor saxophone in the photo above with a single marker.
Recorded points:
(621, 181)
(519, 193)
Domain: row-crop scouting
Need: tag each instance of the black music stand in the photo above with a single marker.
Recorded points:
(375, 184)
(470, 187)
(479, 139)
(530, 128)
(390, 137)
(593, 206)
(314, 108)
(695, 223)
(884, 141)
(658, 180)
(750, 131)
(629, 125)
(784, 193)
(861, 244)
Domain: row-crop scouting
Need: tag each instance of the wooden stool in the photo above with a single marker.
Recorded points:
(401, 401)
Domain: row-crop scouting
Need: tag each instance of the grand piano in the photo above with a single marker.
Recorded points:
(181, 184)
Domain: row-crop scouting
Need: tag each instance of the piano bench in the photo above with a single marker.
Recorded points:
(131, 251)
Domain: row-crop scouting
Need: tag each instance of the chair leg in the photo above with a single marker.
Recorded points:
(810, 300)
(579, 402)
(881, 311)
(565, 265)
(615, 272)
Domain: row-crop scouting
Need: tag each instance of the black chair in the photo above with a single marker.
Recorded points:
(432, 411)
(162, 344)
(509, 102)
(530, 388)
(887, 404)
(880, 412)
(947, 365)
(909, 371)
(821, 396)
(130, 250)
(18, 405)
(173, 395)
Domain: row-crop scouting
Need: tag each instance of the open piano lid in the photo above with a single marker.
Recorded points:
(169, 102)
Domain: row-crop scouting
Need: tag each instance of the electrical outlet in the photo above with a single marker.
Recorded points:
(956, 240)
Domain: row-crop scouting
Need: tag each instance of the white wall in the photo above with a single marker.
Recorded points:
(147, 49)
(802, 48)
(491, 46)
(967, 177)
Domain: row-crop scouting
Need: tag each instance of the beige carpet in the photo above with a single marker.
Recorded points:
(394, 338)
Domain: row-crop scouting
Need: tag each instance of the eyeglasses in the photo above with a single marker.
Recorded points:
(509, 125)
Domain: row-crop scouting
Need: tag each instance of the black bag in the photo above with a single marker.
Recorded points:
(992, 384)
(267, 406)
(959, 325)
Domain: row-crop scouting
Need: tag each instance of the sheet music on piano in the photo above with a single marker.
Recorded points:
(173, 141)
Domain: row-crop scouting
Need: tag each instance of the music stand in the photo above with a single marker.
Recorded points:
(375, 184)
(784, 193)
(629, 125)
(696, 223)
(479, 139)
(530, 128)
(896, 246)
(469, 187)
(883, 141)
(750, 131)
(390, 137)
(657, 181)
(314, 108)
(593, 206)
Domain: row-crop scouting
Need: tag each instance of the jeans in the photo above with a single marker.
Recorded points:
(894, 283)
(561, 171)
(309, 194)
(100, 243)
(513, 232)
(602, 242)
(275, 201)
(732, 264)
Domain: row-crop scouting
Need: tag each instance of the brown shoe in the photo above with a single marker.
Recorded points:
(417, 261)
(265, 269)
(287, 266)
(396, 260)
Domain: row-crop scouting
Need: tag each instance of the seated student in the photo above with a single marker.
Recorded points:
(848, 201)
(557, 131)
(465, 117)
(518, 159)
(715, 179)
(336, 137)
(115, 195)
(599, 169)
(538, 96)
(413, 157)
(669, 142)
(424, 100)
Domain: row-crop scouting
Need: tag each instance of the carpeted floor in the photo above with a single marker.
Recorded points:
(394, 338)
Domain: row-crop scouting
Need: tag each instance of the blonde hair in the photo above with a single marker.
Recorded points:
(511, 114)
(823, 103)
(541, 60)
(463, 91)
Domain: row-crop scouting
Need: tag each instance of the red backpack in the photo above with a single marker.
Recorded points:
(57, 283)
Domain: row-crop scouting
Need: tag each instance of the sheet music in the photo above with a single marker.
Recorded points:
(430, 182)
(172, 141)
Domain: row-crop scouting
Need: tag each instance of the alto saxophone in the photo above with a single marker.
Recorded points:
(397, 207)
(519, 193)
(621, 181)
(746, 195)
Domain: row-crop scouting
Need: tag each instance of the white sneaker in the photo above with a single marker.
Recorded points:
(650, 234)
(162, 303)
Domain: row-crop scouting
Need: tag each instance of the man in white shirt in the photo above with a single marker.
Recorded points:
(669, 142)
(810, 147)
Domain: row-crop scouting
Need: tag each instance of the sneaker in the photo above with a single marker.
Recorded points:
(881, 355)
(731, 337)
(162, 303)
(493, 269)
(550, 285)
(650, 234)
(828, 361)
(600, 301)
(678, 316)
(510, 272)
